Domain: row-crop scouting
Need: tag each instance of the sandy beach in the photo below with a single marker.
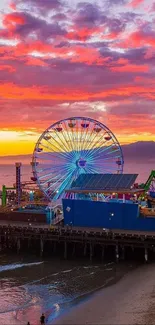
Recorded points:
(129, 301)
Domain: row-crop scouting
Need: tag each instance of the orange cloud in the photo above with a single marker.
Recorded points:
(87, 55)
(7, 67)
(131, 68)
(10, 20)
(36, 61)
(136, 39)
(84, 33)
(83, 54)
(12, 91)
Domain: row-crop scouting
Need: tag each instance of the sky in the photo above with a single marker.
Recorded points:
(62, 58)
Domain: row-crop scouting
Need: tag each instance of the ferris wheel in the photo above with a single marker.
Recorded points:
(71, 147)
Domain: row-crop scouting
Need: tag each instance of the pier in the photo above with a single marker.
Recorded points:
(71, 242)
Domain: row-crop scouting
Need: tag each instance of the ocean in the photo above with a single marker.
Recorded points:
(142, 168)
(30, 286)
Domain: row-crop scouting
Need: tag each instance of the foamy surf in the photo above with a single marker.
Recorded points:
(10, 267)
(67, 271)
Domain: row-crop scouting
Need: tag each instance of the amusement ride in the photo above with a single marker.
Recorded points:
(71, 147)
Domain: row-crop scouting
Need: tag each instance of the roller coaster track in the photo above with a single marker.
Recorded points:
(149, 181)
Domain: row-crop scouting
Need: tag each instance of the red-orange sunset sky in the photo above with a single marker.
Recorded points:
(62, 58)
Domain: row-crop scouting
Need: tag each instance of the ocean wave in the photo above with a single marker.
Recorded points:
(67, 271)
(10, 267)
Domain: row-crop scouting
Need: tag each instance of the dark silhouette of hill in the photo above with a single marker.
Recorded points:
(139, 150)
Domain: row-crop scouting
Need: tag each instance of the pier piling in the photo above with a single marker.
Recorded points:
(18, 245)
(54, 247)
(85, 249)
(103, 253)
(65, 250)
(146, 255)
(41, 247)
(91, 252)
(74, 249)
(117, 253)
(123, 253)
(29, 242)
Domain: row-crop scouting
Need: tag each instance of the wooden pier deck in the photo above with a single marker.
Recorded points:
(18, 235)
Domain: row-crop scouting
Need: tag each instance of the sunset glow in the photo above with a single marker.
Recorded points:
(76, 58)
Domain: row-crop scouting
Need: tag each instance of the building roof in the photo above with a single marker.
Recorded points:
(103, 182)
(107, 192)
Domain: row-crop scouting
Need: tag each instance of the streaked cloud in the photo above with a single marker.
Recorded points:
(62, 58)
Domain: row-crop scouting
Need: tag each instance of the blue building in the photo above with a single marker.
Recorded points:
(106, 201)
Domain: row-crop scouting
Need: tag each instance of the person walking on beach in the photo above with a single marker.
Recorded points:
(42, 319)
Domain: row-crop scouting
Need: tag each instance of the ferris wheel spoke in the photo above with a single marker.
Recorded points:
(113, 151)
(49, 150)
(85, 138)
(109, 158)
(93, 144)
(93, 151)
(67, 141)
(104, 157)
(53, 167)
(91, 170)
(106, 169)
(57, 145)
(49, 156)
(65, 134)
(62, 154)
(84, 135)
(96, 152)
(49, 174)
(91, 140)
(97, 136)
(64, 145)
(81, 130)
(74, 139)
(100, 141)
(64, 170)
(53, 181)
(78, 134)
(57, 169)
(69, 138)
(84, 130)
(64, 179)
(67, 183)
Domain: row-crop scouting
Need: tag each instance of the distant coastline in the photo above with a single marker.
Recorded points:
(142, 150)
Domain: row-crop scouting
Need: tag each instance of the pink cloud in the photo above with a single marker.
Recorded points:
(71, 54)
(136, 3)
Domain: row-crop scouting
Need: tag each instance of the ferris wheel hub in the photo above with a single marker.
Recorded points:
(81, 162)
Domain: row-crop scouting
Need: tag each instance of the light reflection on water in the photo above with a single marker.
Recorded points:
(28, 288)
